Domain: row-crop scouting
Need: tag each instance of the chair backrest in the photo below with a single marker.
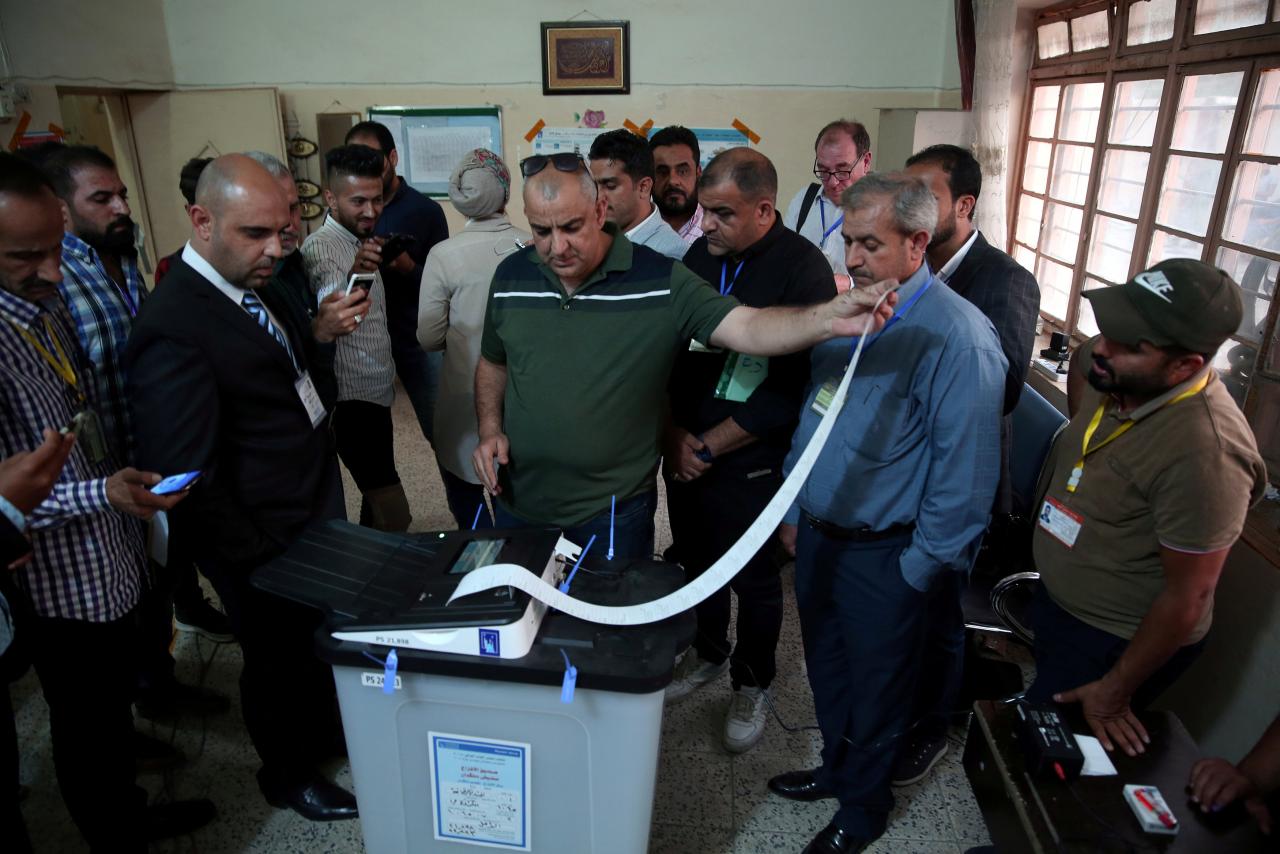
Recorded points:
(1036, 423)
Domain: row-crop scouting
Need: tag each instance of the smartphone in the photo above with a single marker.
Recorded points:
(361, 280)
(396, 245)
(176, 483)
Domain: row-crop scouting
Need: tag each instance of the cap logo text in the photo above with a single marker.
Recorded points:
(1156, 282)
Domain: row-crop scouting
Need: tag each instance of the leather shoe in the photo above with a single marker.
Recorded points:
(174, 700)
(164, 821)
(309, 795)
(833, 840)
(800, 786)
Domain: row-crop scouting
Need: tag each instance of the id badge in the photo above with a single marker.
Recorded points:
(89, 436)
(826, 394)
(741, 376)
(1060, 523)
(310, 399)
(696, 346)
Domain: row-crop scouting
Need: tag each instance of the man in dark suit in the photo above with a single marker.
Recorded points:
(1008, 295)
(219, 382)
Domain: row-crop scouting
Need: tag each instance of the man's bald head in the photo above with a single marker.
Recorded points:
(749, 170)
(239, 213)
(550, 182)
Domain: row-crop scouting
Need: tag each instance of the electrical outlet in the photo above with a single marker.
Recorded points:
(8, 109)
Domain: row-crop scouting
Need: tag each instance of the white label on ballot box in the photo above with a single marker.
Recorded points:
(719, 574)
(480, 791)
(377, 680)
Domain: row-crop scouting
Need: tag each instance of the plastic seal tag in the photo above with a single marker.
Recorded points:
(570, 680)
(564, 585)
(613, 510)
(389, 678)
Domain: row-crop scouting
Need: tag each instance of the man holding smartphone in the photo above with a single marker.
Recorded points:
(344, 246)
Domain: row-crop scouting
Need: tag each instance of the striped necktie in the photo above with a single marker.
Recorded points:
(258, 312)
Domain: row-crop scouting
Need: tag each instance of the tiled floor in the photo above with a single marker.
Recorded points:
(707, 801)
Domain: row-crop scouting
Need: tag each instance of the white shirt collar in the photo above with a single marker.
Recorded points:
(948, 269)
(653, 212)
(197, 262)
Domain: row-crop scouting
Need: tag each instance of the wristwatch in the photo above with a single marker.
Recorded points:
(704, 453)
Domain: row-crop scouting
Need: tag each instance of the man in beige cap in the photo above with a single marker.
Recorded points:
(1142, 496)
(455, 291)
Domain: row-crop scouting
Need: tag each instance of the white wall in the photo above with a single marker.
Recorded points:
(101, 43)
(903, 45)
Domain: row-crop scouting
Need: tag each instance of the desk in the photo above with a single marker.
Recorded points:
(1043, 816)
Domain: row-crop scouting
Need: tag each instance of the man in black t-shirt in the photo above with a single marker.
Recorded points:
(732, 417)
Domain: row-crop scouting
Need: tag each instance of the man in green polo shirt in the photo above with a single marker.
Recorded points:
(580, 335)
(1143, 495)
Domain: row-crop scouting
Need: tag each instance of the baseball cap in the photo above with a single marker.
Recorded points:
(1179, 302)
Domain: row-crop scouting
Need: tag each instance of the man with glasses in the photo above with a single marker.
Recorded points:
(579, 340)
(842, 155)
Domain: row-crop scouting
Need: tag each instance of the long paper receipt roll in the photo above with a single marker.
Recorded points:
(509, 574)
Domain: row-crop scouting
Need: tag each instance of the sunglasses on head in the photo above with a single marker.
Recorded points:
(564, 162)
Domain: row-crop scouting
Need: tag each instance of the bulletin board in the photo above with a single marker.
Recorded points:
(431, 140)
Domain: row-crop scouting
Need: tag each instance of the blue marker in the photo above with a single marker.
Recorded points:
(564, 585)
(613, 510)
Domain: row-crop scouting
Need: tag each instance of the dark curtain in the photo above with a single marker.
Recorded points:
(965, 47)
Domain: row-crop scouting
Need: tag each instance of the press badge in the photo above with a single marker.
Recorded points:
(1061, 523)
(822, 400)
(89, 436)
(741, 376)
(310, 399)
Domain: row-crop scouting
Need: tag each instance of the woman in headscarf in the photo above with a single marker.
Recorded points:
(455, 291)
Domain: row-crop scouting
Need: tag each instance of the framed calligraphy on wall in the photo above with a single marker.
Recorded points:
(586, 57)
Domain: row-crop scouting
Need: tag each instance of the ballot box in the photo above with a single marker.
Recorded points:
(457, 752)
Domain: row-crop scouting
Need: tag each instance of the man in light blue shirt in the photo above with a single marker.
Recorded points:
(898, 498)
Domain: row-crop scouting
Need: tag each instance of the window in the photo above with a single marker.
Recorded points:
(1160, 142)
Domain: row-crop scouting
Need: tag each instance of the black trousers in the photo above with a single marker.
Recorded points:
(286, 693)
(364, 435)
(86, 673)
(708, 515)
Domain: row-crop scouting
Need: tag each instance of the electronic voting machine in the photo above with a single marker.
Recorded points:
(392, 589)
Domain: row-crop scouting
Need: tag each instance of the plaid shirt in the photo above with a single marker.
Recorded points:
(89, 558)
(103, 315)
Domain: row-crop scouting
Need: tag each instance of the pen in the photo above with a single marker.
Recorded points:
(1165, 818)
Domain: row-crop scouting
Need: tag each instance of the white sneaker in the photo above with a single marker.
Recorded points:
(744, 724)
(691, 673)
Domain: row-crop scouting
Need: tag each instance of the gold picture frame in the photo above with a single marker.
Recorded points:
(586, 57)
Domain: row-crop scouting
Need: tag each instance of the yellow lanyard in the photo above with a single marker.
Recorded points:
(64, 366)
(1074, 480)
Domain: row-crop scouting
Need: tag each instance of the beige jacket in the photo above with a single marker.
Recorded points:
(455, 291)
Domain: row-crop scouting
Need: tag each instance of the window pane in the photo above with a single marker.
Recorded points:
(1253, 213)
(1165, 245)
(1062, 232)
(1110, 248)
(1214, 16)
(1071, 173)
(1055, 288)
(1186, 199)
(1257, 279)
(1080, 109)
(1150, 21)
(1133, 119)
(1090, 31)
(1044, 111)
(1030, 215)
(1025, 257)
(1035, 174)
(1265, 422)
(1205, 110)
(1264, 121)
(1124, 175)
(1086, 324)
(1052, 39)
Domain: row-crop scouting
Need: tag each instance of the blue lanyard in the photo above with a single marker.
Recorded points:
(724, 270)
(900, 313)
(822, 212)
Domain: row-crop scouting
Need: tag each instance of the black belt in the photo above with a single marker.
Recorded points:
(857, 535)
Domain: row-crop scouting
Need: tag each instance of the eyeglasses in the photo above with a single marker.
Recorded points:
(839, 174)
(564, 162)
